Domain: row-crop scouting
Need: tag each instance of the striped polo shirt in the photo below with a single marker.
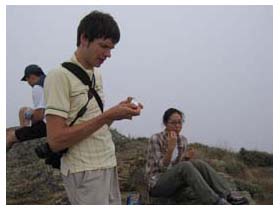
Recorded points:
(65, 95)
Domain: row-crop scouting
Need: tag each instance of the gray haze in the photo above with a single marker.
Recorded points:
(212, 62)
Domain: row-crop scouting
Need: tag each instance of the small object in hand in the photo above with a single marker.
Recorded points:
(28, 115)
(135, 102)
(133, 198)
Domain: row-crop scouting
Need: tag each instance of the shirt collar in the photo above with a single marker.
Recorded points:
(74, 59)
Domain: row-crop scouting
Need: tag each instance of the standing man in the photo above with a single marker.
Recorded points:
(35, 77)
(89, 166)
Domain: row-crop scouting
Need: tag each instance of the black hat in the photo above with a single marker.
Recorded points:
(32, 69)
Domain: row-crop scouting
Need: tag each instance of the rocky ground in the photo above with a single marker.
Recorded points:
(30, 181)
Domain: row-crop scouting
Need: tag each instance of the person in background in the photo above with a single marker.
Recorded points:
(170, 167)
(32, 124)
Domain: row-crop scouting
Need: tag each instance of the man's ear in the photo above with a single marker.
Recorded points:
(83, 40)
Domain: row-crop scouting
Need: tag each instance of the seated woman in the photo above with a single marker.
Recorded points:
(169, 167)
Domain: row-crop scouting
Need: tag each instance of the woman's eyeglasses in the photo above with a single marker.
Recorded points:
(176, 122)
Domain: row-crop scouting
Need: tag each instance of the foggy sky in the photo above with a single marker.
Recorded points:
(212, 62)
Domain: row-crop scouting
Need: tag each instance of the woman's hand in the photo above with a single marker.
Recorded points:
(172, 140)
(189, 154)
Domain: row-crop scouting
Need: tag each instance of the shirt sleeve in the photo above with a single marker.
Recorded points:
(57, 93)
(38, 97)
(155, 154)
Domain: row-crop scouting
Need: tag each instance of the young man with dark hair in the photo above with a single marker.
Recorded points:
(35, 77)
(89, 166)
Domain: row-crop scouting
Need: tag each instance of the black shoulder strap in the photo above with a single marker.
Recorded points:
(78, 72)
(54, 159)
(84, 78)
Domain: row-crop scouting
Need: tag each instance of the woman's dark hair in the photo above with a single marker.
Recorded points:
(169, 112)
(98, 25)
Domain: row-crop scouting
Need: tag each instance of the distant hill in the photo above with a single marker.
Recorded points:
(30, 181)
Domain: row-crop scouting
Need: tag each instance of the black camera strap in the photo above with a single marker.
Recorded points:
(84, 78)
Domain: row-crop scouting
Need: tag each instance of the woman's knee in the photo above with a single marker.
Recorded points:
(198, 162)
(187, 169)
(185, 165)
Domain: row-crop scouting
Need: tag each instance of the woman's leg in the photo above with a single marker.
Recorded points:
(214, 180)
(182, 175)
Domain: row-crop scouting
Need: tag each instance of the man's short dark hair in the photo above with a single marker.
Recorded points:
(98, 25)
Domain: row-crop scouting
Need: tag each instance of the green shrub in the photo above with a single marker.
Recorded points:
(254, 189)
(255, 158)
(234, 167)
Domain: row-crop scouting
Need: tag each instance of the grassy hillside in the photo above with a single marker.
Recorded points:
(30, 181)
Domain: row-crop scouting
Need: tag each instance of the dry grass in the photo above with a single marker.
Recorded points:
(255, 179)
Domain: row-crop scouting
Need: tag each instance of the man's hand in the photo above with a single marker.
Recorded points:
(38, 115)
(129, 100)
(61, 136)
(124, 110)
(28, 114)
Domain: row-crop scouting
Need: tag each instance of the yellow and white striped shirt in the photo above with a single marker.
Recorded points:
(65, 95)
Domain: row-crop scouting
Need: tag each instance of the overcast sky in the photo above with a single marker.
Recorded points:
(212, 62)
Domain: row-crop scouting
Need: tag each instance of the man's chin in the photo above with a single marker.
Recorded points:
(97, 65)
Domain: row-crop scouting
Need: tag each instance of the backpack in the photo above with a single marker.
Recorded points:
(43, 151)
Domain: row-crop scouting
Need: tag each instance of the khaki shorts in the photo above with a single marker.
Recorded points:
(96, 187)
